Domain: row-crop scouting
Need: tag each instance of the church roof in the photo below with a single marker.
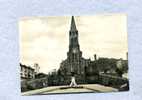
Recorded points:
(73, 26)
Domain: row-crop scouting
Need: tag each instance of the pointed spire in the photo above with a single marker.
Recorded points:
(73, 26)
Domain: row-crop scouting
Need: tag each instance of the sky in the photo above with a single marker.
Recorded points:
(45, 40)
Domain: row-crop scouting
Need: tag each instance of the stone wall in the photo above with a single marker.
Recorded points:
(113, 81)
(27, 85)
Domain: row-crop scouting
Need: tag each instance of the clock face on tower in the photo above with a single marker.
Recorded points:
(75, 50)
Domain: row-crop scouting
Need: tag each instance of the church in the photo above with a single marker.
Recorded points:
(74, 63)
(87, 71)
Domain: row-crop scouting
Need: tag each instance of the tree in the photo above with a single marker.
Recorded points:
(106, 64)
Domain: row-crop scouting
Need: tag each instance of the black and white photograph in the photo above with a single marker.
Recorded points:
(73, 54)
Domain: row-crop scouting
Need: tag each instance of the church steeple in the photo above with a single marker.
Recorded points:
(73, 38)
(73, 26)
(74, 54)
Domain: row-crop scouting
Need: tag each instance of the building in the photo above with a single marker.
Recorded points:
(27, 72)
(74, 63)
(32, 79)
(122, 66)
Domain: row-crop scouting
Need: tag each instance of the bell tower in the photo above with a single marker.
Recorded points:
(74, 54)
(74, 47)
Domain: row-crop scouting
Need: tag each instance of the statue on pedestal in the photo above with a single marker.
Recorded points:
(73, 82)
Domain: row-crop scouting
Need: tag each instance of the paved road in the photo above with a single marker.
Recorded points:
(66, 89)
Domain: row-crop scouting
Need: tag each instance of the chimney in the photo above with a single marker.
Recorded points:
(36, 67)
(95, 57)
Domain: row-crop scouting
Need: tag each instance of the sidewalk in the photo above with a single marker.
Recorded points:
(66, 89)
